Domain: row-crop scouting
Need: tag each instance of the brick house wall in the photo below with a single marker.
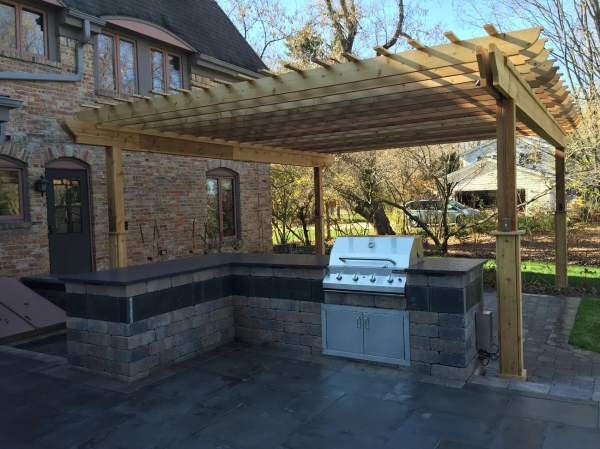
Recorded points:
(168, 189)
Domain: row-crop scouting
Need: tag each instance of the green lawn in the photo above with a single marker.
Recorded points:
(543, 273)
(586, 331)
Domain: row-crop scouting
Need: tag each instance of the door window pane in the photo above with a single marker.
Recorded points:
(67, 192)
(158, 71)
(32, 24)
(10, 201)
(106, 61)
(61, 221)
(76, 219)
(8, 26)
(174, 72)
(127, 65)
(212, 220)
(227, 207)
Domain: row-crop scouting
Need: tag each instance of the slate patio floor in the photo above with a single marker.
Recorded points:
(240, 397)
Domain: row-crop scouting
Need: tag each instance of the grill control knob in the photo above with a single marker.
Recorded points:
(355, 277)
(372, 278)
(400, 280)
(339, 276)
(390, 279)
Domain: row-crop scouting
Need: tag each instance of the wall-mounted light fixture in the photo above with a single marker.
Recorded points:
(41, 185)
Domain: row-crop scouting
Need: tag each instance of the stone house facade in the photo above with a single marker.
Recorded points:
(174, 205)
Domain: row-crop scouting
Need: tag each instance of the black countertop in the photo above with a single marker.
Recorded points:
(148, 272)
(446, 266)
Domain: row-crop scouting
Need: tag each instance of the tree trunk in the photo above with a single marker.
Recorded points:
(381, 222)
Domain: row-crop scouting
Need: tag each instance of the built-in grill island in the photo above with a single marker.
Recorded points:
(375, 299)
(384, 302)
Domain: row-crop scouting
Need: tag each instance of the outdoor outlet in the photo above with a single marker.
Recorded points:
(506, 224)
(162, 252)
(483, 328)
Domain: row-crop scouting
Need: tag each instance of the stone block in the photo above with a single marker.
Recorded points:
(420, 342)
(264, 335)
(138, 327)
(318, 295)
(76, 305)
(291, 339)
(335, 298)
(247, 322)
(95, 338)
(221, 314)
(285, 315)
(161, 320)
(161, 332)
(100, 327)
(75, 347)
(280, 288)
(77, 335)
(75, 359)
(284, 304)
(458, 360)
(418, 368)
(178, 327)
(97, 289)
(296, 328)
(453, 333)
(199, 320)
(167, 356)
(228, 334)
(451, 372)
(311, 307)
(423, 330)
(182, 314)
(245, 312)
(241, 301)
(190, 347)
(392, 303)
(423, 355)
(224, 324)
(240, 271)
(310, 340)
(447, 281)
(272, 325)
(116, 367)
(80, 324)
(71, 287)
(417, 298)
(268, 314)
(224, 303)
(299, 289)
(127, 291)
(311, 273)
(120, 329)
(447, 346)
(221, 272)
(315, 329)
(447, 300)
(243, 333)
(262, 287)
(182, 279)
(360, 300)
(415, 316)
(160, 345)
(263, 303)
(310, 318)
(139, 353)
(205, 307)
(158, 284)
(452, 320)
(142, 365)
(204, 331)
(200, 276)
(184, 337)
(140, 340)
(93, 363)
(417, 280)
(261, 271)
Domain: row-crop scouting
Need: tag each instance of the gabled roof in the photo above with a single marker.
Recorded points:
(469, 172)
(201, 23)
(525, 143)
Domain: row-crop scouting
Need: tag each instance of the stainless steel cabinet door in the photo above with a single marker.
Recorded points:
(384, 335)
(344, 331)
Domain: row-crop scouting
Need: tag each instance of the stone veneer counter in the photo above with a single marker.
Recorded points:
(128, 322)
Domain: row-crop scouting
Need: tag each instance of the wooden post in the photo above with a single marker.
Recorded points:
(319, 240)
(117, 239)
(508, 248)
(560, 220)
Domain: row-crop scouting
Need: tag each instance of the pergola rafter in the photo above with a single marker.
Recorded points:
(498, 86)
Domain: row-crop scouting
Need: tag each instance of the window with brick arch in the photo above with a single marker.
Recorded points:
(12, 189)
(117, 69)
(222, 207)
(23, 29)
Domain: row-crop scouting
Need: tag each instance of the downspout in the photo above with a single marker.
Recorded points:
(2, 133)
(78, 76)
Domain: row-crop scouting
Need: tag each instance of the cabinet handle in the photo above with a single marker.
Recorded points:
(366, 322)
(358, 322)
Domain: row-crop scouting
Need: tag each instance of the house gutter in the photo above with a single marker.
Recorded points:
(78, 76)
(235, 68)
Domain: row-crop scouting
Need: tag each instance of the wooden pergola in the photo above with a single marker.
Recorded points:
(495, 87)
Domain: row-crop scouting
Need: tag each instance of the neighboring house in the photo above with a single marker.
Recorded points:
(175, 206)
(477, 182)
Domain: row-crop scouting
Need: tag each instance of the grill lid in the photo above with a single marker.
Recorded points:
(372, 264)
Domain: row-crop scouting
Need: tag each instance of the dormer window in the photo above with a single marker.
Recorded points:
(166, 70)
(22, 29)
(116, 64)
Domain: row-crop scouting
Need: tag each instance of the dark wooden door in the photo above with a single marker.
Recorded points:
(69, 230)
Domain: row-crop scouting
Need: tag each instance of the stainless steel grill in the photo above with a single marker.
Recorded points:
(372, 264)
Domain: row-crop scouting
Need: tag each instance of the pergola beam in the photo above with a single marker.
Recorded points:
(170, 143)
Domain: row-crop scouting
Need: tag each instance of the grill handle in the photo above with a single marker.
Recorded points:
(344, 259)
